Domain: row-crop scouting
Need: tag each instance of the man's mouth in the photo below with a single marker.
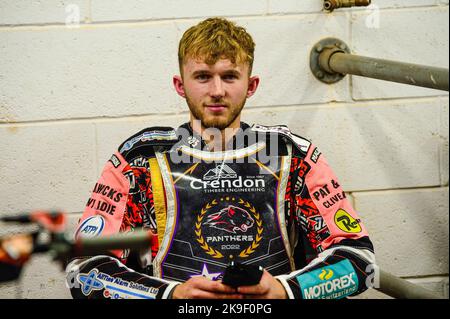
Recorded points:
(216, 107)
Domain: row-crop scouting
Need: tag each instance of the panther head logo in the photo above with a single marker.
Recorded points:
(230, 219)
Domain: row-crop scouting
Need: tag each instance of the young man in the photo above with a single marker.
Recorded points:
(216, 191)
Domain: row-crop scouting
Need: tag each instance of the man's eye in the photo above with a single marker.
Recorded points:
(229, 77)
(202, 77)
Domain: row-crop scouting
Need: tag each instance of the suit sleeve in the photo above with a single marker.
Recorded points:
(343, 261)
(115, 206)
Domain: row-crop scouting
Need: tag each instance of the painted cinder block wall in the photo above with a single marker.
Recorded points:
(78, 77)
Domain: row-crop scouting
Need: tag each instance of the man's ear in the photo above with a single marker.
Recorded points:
(253, 84)
(179, 86)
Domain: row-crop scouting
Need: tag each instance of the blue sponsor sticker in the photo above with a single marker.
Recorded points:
(331, 282)
(114, 287)
(89, 282)
(91, 227)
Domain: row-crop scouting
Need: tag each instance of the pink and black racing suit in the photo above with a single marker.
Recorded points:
(269, 200)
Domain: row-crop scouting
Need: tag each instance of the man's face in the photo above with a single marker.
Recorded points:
(215, 93)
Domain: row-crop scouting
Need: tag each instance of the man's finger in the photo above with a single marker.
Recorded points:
(214, 286)
(252, 290)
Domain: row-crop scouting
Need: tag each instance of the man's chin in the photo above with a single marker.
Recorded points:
(219, 124)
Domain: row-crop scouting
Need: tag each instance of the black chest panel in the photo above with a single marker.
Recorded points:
(222, 207)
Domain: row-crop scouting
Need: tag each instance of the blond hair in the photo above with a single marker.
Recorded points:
(214, 39)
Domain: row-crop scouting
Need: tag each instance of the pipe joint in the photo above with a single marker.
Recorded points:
(330, 5)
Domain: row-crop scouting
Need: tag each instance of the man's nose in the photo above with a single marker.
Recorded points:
(217, 89)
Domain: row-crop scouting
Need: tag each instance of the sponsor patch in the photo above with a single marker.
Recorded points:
(89, 282)
(223, 178)
(108, 191)
(91, 227)
(328, 196)
(332, 282)
(315, 155)
(222, 171)
(231, 219)
(303, 169)
(115, 161)
(114, 287)
(345, 222)
(233, 230)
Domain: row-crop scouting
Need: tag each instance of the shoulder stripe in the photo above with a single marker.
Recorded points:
(299, 142)
(149, 136)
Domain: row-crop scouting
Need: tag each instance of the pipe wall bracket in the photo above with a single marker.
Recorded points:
(320, 56)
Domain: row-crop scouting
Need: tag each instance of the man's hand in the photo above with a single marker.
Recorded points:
(204, 288)
(268, 288)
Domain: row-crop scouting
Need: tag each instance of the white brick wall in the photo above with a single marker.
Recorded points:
(407, 225)
(69, 95)
(113, 10)
(46, 166)
(26, 12)
(88, 72)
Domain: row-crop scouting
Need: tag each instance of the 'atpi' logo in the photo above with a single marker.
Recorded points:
(346, 223)
(231, 219)
(89, 282)
(91, 227)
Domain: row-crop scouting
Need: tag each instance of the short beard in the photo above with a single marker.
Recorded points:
(219, 124)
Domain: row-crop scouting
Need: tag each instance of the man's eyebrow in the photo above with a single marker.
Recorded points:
(232, 72)
(226, 72)
(200, 72)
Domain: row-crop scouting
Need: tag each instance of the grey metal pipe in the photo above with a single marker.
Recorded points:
(137, 240)
(402, 289)
(412, 74)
